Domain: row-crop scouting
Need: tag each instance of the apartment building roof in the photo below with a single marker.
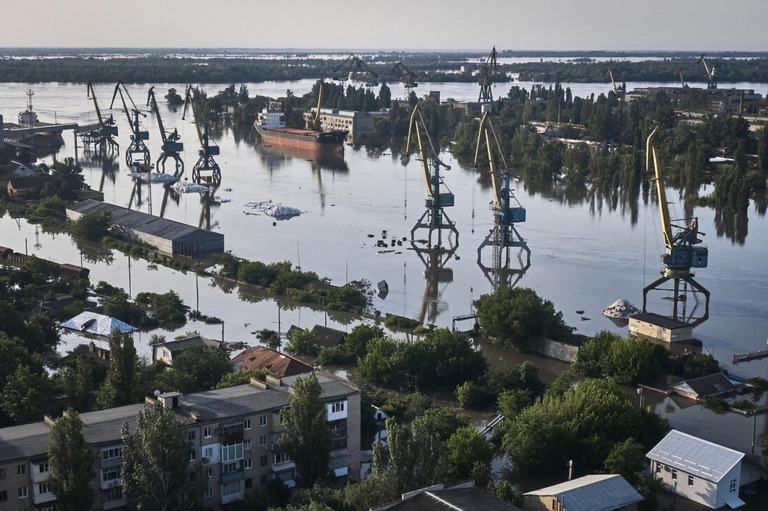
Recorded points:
(23, 441)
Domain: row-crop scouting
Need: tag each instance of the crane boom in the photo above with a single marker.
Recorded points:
(661, 193)
(171, 145)
(429, 180)
(188, 102)
(92, 95)
(486, 95)
(152, 104)
(206, 169)
(613, 80)
(354, 69)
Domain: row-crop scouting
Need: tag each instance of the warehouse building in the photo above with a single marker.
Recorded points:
(168, 236)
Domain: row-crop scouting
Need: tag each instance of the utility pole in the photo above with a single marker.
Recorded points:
(570, 469)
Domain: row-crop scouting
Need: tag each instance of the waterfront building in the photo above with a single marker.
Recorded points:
(234, 433)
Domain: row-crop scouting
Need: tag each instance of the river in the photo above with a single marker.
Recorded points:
(586, 253)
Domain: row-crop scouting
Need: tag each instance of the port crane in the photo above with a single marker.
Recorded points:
(137, 153)
(353, 68)
(172, 145)
(507, 212)
(434, 218)
(407, 76)
(101, 137)
(711, 72)
(616, 88)
(682, 252)
(313, 121)
(490, 65)
(206, 170)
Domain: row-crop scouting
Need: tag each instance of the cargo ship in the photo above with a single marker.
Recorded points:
(270, 125)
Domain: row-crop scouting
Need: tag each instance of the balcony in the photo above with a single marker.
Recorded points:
(232, 477)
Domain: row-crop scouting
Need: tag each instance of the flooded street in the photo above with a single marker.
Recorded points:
(585, 253)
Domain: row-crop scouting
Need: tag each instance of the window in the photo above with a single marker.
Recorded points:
(247, 424)
(43, 487)
(263, 440)
(191, 436)
(208, 452)
(2, 474)
(115, 493)
(263, 461)
(247, 444)
(263, 421)
(192, 455)
(47, 508)
(3, 496)
(209, 492)
(233, 487)
(659, 467)
(229, 468)
(109, 454)
(231, 452)
(674, 473)
(112, 473)
(207, 432)
(248, 464)
(732, 486)
(21, 470)
(690, 480)
(209, 472)
(43, 467)
(338, 406)
(23, 492)
(281, 457)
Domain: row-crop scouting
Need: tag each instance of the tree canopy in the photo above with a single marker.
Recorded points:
(71, 463)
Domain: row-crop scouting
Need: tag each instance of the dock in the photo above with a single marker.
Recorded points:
(750, 355)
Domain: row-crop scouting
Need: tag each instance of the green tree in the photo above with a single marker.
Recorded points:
(119, 388)
(157, 475)
(626, 458)
(517, 317)
(24, 395)
(90, 226)
(270, 338)
(200, 368)
(307, 439)
(71, 463)
(232, 379)
(76, 380)
(466, 448)
(303, 343)
(373, 491)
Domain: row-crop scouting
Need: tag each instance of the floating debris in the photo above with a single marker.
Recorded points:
(620, 309)
(153, 177)
(187, 187)
(274, 209)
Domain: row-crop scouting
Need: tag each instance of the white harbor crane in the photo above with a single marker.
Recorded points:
(711, 72)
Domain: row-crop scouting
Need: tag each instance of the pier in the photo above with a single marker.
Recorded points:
(750, 355)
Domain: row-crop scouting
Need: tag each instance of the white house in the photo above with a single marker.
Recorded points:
(696, 469)
(597, 492)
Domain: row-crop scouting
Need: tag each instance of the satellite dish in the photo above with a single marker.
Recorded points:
(156, 393)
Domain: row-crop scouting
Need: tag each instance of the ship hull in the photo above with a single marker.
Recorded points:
(303, 139)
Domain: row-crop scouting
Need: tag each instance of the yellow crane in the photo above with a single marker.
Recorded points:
(507, 212)
(681, 243)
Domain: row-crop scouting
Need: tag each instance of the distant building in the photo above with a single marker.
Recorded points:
(599, 492)
(352, 121)
(328, 337)
(166, 351)
(167, 236)
(261, 357)
(658, 327)
(732, 101)
(234, 432)
(702, 471)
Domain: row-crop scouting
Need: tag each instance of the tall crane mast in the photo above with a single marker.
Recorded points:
(711, 72)
(682, 252)
(137, 152)
(171, 140)
(101, 137)
(206, 169)
(434, 218)
(353, 68)
(407, 76)
(613, 81)
(507, 212)
(490, 65)
(313, 121)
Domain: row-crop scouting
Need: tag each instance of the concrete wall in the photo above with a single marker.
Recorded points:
(558, 350)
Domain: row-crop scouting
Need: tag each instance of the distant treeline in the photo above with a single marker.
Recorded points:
(252, 67)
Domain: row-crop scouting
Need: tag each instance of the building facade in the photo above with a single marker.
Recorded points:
(234, 433)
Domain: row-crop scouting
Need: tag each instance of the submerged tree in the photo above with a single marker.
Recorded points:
(119, 388)
(71, 463)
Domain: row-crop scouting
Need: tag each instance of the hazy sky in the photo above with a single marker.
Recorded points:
(697, 25)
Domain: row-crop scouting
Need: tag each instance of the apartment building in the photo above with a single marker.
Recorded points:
(234, 432)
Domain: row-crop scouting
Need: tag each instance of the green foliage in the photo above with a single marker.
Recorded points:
(627, 459)
(24, 394)
(269, 337)
(90, 226)
(467, 448)
(303, 343)
(698, 365)
(198, 368)
(355, 345)
(405, 408)
(307, 439)
(166, 308)
(717, 404)
(119, 388)
(395, 321)
(583, 424)
(517, 317)
(629, 361)
(376, 490)
(71, 464)
(156, 474)
(76, 380)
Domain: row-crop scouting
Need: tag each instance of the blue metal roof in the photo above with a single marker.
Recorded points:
(599, 492)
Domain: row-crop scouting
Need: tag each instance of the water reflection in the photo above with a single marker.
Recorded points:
(276, 157)
(436, 272)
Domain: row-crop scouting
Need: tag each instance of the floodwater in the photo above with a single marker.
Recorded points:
(585, 252)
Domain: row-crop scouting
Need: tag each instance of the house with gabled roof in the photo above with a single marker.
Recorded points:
(712, 385)
(261, 357)
(598, 492)
(168, 350)
(328, 337)
(699, 470)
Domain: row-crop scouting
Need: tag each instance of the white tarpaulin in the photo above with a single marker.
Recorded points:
(98, 324)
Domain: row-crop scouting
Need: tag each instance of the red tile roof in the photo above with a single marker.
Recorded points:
(261, 357)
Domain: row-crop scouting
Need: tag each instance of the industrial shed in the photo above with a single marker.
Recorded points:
(167, 236)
